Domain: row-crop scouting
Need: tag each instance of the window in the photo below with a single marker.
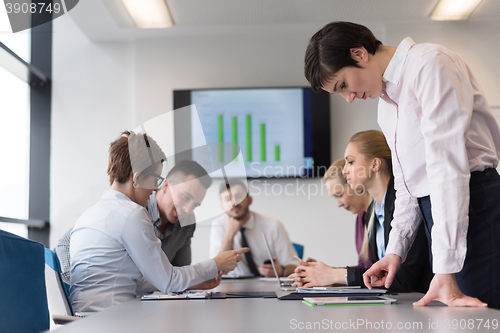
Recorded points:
(14, 149)
(15, 131)
(25, 93)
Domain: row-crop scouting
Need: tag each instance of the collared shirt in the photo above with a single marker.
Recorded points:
(176, 239)
(277, 237)
(439, 128)
(116, 256)
(380, 235)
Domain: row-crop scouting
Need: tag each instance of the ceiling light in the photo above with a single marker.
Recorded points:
(454, 9)
(149, 14)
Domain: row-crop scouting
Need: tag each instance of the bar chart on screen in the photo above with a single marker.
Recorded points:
(267, 125)
(263, 156)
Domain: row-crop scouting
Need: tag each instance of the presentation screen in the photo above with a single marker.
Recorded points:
(272, 127)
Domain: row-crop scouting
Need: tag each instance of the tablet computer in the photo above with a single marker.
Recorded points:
(358, 300)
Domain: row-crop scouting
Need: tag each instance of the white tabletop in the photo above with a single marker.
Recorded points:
(273, 315)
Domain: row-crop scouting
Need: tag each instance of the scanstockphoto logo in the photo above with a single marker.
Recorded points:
(24, 14)
(153, 156)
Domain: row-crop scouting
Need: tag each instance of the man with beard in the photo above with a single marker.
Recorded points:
(240, 227)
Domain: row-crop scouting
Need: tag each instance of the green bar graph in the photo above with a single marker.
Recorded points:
(234, 122)
(221, 137)
(277, 153)
(263, 142)
(249, 137)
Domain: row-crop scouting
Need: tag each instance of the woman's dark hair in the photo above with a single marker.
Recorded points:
(329, 50)
(232, 182)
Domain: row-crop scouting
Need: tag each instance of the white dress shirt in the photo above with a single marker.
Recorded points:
(439, 127)
(276, 236)
(115, 252)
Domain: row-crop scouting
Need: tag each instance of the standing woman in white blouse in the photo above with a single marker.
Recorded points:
(445, 145)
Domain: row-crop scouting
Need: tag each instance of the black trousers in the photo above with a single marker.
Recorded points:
(480, 275)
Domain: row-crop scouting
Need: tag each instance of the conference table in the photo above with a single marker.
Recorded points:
(235, 315)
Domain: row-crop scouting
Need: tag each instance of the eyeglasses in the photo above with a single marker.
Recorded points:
(150, 180)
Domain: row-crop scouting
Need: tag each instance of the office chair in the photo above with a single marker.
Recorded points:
(23, 296)
(300, 249)
(57, 291)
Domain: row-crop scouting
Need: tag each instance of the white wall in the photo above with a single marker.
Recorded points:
(245, 61)
(121, 85)
(92, 102)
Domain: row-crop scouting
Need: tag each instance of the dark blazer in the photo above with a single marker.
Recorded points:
(415, 273)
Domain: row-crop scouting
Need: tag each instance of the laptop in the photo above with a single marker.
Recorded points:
(283, 285)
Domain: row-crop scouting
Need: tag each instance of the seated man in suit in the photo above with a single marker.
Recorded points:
(164, 209)
(240, 227)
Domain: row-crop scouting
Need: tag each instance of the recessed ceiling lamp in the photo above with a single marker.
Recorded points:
(454, 10)
(149, 14)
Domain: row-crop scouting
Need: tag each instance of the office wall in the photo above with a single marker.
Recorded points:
(247, 60)
(92, 102)
(135, 80)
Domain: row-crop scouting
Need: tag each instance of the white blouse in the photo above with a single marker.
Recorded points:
(116, 256)
(440, 128)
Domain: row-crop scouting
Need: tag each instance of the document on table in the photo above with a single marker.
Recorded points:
(274, 279)
(176, 295)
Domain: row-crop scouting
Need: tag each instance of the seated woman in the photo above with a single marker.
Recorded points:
(356, 202)
(369, 165)
(115, 254)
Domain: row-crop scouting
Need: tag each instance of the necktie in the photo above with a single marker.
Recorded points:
(248, 255)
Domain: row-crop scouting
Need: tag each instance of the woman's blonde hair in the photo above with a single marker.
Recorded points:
(335, 170)
(365, 247)
(372, 144)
